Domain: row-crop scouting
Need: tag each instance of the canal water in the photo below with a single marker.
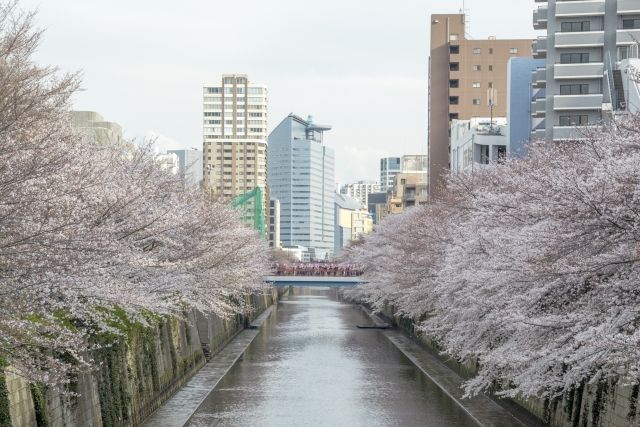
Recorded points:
(311, 366)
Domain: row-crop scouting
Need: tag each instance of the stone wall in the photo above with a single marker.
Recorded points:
(139, 370)
(603, 404)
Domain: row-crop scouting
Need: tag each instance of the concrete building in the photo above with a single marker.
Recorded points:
(360, 190)
(235, 136)
(298, 253)
(274, 224)
(414, 163)
(587, 48)
(389, 168)
(467, 78)
(169, 162)
(520, 97)
(189, 165)
(477, 143)
(411, 189)
(95, 126)
(302, 177)
(377, 206)
(352, 221)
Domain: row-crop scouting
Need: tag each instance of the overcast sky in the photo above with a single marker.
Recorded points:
(359, 65)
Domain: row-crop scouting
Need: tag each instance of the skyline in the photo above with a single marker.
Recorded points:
(148, 75)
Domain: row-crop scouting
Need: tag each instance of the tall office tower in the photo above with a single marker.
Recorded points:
(235, 137)
(467, 78)
(301, 176)
(389, 168)
(360, 191)
(588, 48)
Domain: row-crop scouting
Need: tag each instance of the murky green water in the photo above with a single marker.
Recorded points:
(311, 366)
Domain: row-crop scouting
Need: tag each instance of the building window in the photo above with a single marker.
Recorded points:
(454, 49)
(575, 27)
(454, 66)
(476, 68)
(490, 51)
(578, 120)
(454, 83)
(490, 67)
(477, 51)
(575, 89)
(453, 116)
(454, 37)
(629, 24)
(490, 84)
(476, 102)
(453, 100)
(475, 85)
(513, 50)
(574, 58)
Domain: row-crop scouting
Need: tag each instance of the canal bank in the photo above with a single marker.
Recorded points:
(138, 370)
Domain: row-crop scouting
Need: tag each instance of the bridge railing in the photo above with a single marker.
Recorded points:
(317, 269)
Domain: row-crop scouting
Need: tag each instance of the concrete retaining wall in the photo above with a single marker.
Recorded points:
(138, 372)
(604, 404)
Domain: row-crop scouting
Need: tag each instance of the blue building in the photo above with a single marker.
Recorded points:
(301, 176)
(519, 98)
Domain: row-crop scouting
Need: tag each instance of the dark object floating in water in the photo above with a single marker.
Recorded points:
(383, 326)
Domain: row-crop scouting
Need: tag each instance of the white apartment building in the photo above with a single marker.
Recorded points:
(477, 143)
(360, 191)
(587, 47)
(235, 136)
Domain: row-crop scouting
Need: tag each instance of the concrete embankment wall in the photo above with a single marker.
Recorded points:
(138, 372)
(603, 404)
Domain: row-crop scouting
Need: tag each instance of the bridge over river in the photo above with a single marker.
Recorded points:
(314, 281)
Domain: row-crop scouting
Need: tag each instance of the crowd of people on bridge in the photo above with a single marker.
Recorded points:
(316, 269)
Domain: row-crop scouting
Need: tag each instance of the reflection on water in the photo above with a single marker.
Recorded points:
(311, 366)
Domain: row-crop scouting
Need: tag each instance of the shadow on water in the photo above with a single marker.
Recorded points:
(311, 366)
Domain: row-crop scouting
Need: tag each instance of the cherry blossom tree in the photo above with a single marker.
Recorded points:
(529, 268)
(88, 226)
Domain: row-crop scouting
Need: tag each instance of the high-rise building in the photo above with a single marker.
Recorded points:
(467, 78)
(360, 190)
(189, 165)
(235, 136)
(588, 47)
(301, 176)
(389, 168)
(274, 224)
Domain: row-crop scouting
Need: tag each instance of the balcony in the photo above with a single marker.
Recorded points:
(570, 132)
(539, 107)
(540, 18)
(628, 7)
(539, 77)
(540, 48)
(592, 70)
(567, 9)
(628, 37)
(580, 39)
(578, 102)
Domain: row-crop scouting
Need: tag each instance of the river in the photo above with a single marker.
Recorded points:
(311, 366)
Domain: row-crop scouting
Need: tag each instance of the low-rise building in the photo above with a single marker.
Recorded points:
(477, 143)
(352, 221)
